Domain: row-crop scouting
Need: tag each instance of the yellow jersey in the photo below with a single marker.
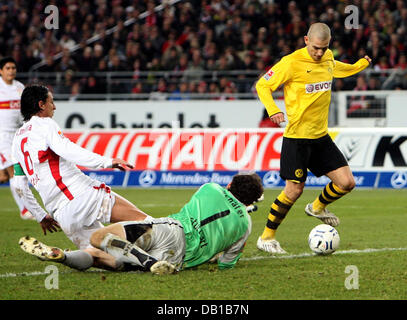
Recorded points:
(307, 90)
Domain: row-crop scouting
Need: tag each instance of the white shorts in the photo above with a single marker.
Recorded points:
(86, 214)
(6, 140)
(167, 241)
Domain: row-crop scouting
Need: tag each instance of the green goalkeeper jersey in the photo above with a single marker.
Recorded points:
(214, 221)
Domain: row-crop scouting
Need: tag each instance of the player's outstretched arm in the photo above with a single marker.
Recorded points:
(80, 156)
(342, 70)
(70, 151)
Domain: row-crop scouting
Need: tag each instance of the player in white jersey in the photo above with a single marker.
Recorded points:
(10, 121)
(76, 203)
(212, 226)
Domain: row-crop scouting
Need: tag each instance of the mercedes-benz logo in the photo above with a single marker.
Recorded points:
(147, 178)
(271, 179)
(399, 180)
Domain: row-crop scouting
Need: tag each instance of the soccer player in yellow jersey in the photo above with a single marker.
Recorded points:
(307, 76)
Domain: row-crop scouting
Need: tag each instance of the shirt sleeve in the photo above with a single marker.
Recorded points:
(232, 254)
(24, 192)
(70, 151)
(342, 70)
(279, 74)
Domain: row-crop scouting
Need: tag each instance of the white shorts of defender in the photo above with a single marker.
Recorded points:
(85, 214)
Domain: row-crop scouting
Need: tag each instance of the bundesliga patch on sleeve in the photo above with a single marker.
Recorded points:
(268, 75)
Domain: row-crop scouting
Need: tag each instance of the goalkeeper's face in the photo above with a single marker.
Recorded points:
(316, 47)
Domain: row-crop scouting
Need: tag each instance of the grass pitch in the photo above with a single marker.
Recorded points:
(370, 264)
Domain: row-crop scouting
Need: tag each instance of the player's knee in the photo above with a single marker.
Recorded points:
(297, 193)
(294, 190)
(348, 185)
(97, 237)
(300, 188)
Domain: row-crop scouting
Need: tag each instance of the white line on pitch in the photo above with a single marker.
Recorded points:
(305, 255)
(293, 256)
(40, 273)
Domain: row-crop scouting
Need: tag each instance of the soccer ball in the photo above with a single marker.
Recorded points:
(323, 239)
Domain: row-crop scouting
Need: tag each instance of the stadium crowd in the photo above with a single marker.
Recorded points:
(191, 37)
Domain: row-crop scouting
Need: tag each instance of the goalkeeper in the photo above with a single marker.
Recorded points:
(214, 224)
(307, 76)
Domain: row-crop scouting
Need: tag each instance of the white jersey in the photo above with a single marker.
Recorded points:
(10, 96)
(49, 161)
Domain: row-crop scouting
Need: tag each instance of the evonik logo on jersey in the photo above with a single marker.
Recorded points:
(318, 87)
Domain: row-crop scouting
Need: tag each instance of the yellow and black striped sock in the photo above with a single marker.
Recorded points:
(330, 194)
(278, 212)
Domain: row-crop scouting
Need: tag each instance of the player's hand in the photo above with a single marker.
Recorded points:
(368, 59)
(277, 118)
(121, 164)
(49, 224)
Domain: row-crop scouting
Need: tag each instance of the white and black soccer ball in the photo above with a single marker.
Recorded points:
(323, 239)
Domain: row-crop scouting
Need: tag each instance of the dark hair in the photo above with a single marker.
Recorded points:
(247, 188)
(30, 99)
(6, 60)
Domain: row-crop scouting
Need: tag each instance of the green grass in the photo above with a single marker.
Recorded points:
(370, 219)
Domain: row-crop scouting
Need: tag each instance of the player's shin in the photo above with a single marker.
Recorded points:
(126, 252)
(329, 194)
(78, 259)
(278, 212)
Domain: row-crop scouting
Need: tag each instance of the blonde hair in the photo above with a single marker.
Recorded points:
(319, 30)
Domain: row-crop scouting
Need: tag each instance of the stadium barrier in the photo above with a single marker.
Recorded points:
(191, 157)
(371, 108)
(160, 114)
(348, 109)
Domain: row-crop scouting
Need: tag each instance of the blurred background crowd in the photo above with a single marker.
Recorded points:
(187, 48)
